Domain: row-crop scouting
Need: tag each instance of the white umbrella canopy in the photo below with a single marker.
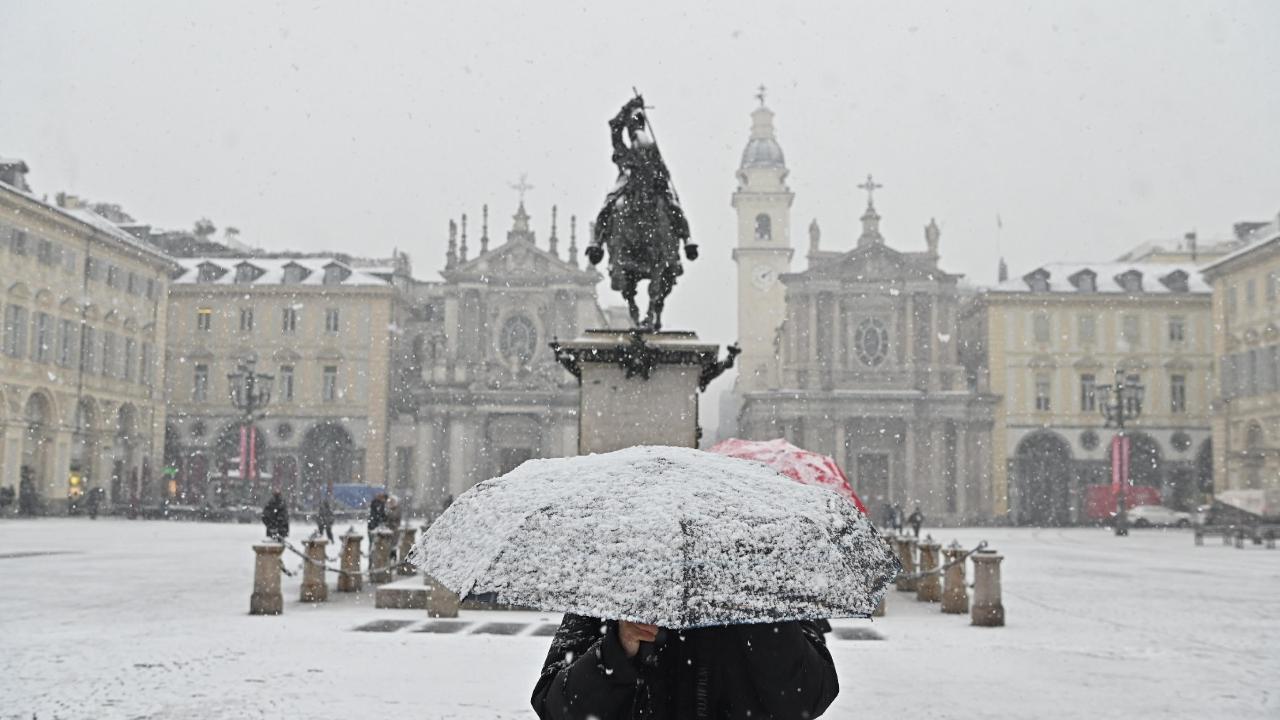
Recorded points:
(675, 537)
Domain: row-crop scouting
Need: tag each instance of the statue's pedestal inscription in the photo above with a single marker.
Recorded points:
(639, 388)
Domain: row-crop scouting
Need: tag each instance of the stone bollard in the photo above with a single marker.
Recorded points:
(441, 601)
(955, 596)
(905, 546)
(350, 579)
(266, 598)
(988, 610)
(314, 588)
(929, 587)
(407, 536)
(380, 555)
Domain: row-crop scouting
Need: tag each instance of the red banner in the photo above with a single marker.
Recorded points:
(253, 453)
(1120, 465)
(244, 453)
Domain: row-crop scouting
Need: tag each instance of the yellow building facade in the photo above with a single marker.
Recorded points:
(1246, 343)
(1044, 343)
(82, 304)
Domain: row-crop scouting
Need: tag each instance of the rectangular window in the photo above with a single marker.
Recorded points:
(329, 389)
(108, 353)
(286, 383)
(1250, 292)
(1178, 393)
(113, 276)
(404, 469)
(200, 384)
(331, 321)
(1088, 393)
(1040, 327)
(1133, 394)
(132, 286)
(1231, 299)
(42, 338)
(1177, 329)
(44, 252)
(88, 350)
(1131, 329)
(1042, 393)
(130, 357)
(1087, 328)
(151, 289)
(66, 342)
(70, 261)
(204, 319)
(15, 330)
(144, 365)
(246, 320)
(19, 244)
(289, 321)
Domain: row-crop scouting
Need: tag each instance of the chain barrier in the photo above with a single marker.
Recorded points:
(941, 568)
(330, 568)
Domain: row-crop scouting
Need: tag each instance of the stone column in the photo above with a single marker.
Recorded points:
(929, 587)
(314, 588)
(955, 596)
(350, 580)
(380, 542)
(988, 610)
(266, 598)
(407, 536)
(905, 546)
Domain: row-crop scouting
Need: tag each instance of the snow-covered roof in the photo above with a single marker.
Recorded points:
(272, 271)
(93, 220)
(1262, 236)
(1064, 278)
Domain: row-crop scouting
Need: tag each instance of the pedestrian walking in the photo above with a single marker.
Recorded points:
(393, 523)
(324, 519)
(93, 502)
(27, 501)
(916, 519)
(275, 516)
(377, 512)
(890, 516)
(617, 670)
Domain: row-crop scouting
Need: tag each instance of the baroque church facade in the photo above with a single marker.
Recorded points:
(855, 355)
(482, 389)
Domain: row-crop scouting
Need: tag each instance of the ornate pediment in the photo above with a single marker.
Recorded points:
(873, 262)
(520, 262)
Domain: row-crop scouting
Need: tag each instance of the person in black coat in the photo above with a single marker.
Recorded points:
(324, 519)
(618, 670)
(916, 520)
(377, 513)
(275, 516)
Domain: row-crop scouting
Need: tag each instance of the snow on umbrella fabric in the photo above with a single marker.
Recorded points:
(803, 466)
(671, 536)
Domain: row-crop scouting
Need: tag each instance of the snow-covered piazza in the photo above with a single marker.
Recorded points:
(148, 619)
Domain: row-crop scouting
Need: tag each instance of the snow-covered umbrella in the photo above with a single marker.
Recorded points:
(675, 537)
(803, 466)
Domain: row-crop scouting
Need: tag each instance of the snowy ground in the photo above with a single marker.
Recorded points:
(149, 620)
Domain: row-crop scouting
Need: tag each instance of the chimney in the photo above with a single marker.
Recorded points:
(13, 172)
(1002, 271)
(1191, 244)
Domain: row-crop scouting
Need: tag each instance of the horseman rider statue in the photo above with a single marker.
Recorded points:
(641, 223)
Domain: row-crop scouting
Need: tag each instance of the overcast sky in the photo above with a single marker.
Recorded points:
(362, 127)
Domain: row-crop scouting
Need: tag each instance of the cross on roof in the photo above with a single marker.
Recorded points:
(522, 187)
(870, 186)
(760, 95)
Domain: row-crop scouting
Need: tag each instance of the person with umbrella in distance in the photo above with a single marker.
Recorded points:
(693, 584)
(275, 516)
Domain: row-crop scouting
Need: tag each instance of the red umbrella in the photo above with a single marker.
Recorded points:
(803, 466)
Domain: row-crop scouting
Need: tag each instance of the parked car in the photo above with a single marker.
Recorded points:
(1158, 515)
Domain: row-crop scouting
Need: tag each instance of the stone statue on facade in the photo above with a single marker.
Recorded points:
(641, 224)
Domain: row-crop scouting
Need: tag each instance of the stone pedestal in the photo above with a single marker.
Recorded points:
(380, 570)
(350, 579)
(929, 587)
(905, 548)
(441, 601)
(639, 388)
(988, 609)
(955, 596)
(266, 598)
(407, 536)
(314, 588)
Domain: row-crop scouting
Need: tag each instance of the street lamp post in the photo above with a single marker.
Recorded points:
(1120, 403)
(250, 393)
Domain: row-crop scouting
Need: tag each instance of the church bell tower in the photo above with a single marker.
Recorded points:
(763, 253)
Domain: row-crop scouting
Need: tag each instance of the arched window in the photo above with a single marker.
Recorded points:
(518, 340)
(764, 228)
(871, 342)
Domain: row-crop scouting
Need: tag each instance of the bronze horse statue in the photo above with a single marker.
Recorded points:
(641, 224)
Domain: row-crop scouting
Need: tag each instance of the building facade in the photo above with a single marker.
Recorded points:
(84, 327)
(325, 328)
(1246, 344)
(486, 392)
(1046, 341)
(855, 356)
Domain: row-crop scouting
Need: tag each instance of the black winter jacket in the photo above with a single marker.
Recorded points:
(776, 671)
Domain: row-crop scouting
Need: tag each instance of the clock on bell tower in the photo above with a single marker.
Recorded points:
(763, 253)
